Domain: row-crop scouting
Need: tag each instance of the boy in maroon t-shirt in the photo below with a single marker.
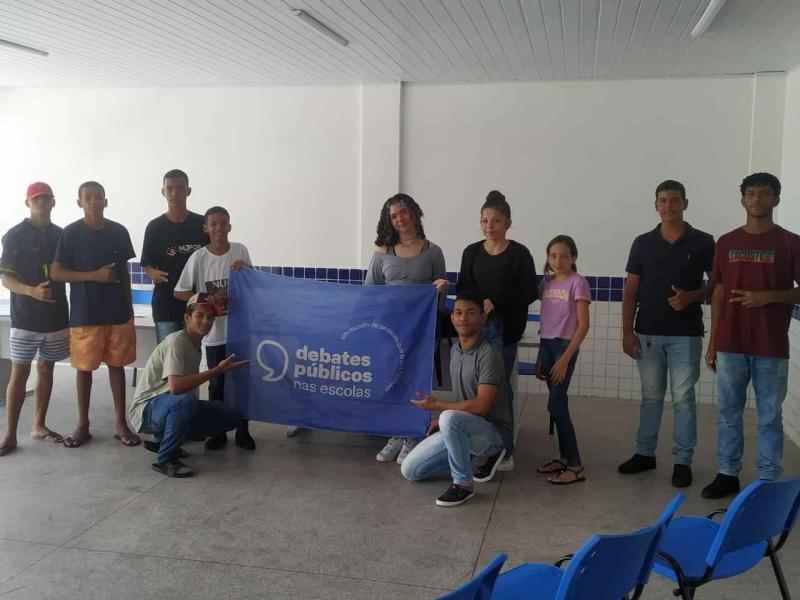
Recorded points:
(755, 270)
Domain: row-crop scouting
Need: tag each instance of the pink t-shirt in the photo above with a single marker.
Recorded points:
(559, 313)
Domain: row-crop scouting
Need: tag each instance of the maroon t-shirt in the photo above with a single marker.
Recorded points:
(746, 261)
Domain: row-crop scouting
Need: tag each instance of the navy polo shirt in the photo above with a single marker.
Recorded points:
(661, 265)
(27, 253)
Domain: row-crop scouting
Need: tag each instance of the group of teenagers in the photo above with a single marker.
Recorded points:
(751, 274)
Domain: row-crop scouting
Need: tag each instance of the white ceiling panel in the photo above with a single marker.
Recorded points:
(261, 42)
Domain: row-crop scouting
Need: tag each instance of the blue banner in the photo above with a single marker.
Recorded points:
(331, 356)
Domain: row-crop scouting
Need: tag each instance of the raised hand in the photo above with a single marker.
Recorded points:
(229, 363)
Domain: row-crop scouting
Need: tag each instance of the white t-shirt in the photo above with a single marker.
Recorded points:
(207, 272)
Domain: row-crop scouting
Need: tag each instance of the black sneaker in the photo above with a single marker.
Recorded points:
(487, 470)
(244, 440)
(455, 496)
(173, 468)
(636, 464)
(153, 447)
(216, 442)
(722, 486)
(681, 476)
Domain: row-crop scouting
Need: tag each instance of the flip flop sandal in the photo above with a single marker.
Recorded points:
(579, 477)
(554, 466)
(76, 441)
(5, 450)
(128, 440)
(51, 436)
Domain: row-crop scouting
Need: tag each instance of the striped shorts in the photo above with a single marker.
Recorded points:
(51, 346)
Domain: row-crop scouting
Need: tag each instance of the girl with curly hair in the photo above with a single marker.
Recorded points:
(403, 256)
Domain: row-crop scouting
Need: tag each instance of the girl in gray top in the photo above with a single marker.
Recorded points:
(404, 257)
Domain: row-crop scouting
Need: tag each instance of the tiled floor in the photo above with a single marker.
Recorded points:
(316, 516)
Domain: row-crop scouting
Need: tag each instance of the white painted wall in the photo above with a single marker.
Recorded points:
(284, 161)
(584, 158)
(789, 217)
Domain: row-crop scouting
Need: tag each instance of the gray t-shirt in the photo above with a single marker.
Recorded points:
(390, 269)
(482, 364)
(175, 355)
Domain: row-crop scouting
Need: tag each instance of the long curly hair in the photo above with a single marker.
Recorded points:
(387, 234)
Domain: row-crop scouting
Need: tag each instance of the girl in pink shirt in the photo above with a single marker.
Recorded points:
(565, 298)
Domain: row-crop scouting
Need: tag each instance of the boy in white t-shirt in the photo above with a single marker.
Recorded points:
(207, 271)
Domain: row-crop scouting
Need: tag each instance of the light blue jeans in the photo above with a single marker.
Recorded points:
(678, 356)
(461, 436)
(769, 377)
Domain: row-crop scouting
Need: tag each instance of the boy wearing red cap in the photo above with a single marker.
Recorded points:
(38, 313)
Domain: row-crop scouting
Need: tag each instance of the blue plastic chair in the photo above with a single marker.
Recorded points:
(697, 550)
(607, 567)
(479, 587)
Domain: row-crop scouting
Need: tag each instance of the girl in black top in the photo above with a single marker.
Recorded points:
(502, 272)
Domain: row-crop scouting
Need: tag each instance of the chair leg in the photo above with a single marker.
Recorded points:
(776, 566)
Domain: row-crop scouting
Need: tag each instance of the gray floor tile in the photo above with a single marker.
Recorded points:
(71, 573)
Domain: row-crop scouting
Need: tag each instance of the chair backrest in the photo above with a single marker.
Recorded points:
(761, 511)
(662, 523)
(608, 567)
(479, 587)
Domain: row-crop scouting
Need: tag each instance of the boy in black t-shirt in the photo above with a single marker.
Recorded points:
(93, 256)
(169, 240)
(38, 313)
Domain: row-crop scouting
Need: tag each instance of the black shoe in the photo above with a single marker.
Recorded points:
(173, 468)
(217, 442)
(636, 464)
(681, 476)
(455, 496)
(244, 440)
(722, 486)
(487, 470)
(153, 447)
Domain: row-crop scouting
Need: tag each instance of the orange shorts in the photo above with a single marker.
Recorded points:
(92, 345)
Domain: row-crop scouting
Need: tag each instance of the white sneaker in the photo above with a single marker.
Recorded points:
(390, 450)
(408, 446)
(507, 464)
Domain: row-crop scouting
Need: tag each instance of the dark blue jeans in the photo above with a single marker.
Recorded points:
(174, 418)
(550, 350)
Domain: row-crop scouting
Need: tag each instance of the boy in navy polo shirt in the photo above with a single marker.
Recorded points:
(665, 292)
(38, 313)
(92, 255)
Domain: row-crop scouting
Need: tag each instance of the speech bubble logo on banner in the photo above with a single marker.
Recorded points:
(271, 374)
(400, 350)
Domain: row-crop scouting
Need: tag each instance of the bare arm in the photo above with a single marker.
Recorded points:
(11, 283)
(102, 275)
(184, 296)
(180, 384)
(717, 300)
(630, 343)
(479, 405)
(559, 371)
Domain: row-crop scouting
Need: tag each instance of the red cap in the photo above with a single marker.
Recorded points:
(38, 189)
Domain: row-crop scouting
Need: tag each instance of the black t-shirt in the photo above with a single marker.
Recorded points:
(507, 279)
(82, 248)
(27, 253)
(167, 246)
(660, 265)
